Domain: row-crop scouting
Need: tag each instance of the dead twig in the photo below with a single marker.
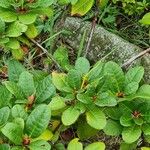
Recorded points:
(131, 60)
(50, 56)
(90, 36)
(92, 28)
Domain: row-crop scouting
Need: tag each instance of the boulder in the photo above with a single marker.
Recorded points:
(104, 44)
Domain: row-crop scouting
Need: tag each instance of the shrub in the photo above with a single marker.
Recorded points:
(99, 98)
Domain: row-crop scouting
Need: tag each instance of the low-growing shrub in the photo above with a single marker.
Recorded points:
(35, 107)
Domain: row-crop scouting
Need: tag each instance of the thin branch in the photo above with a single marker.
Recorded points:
(48, 54)
(90, 36)
(131, 60)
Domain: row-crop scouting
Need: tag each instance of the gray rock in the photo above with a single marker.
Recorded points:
(104, 43)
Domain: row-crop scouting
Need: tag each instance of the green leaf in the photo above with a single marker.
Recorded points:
(40, 145)
(17, 148)
(18, 111)
(103, 4)
(145, 148)
(14, 89)
(82, 65)
(2, 26)
(13, 43)
(143, 92)
(82, 7)
(74, 79)
(4, 40)
(45, 89)
(105, 99)
(112, 128)
(146, 129)
(70, 115)
(5, 96)
(7, 16)
(19, 122)
(125, 146)
(18, 54)
(96, 71)
(113, 112)
(85, 131)
(75, 145)
(48, 11)
(14, 70)
(57, 103)
(131, 134)
(47, 135)
(38, 120)
(84, 98)
(61, 55)
(26, 83)
(16, 29)
(32, 31)
(114, 71)
(60, 82)
(4, 147)
(146, 19)
(5, 3)
(4, 115)
(131, 88)
(27, 18)
(96, 146)
(95, 117)
(126, 119)
(13, 132)
(134, 75)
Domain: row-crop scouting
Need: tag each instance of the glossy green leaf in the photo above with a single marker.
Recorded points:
(105, 99)
(38, 120)
(84, 130)
(74, 79)
(70, 115)
(61, 55)
(18, 111)
(45, 89)
(82, 7)
(96, 146)
(14, 89)
(57, 103)
(2, 26)
(7, 16)
(4, 147)
(16, 29)
(126, 119)
(95, 117)
(146, 19)
(131, 88)
(40, 145)
(13, 132)
(113, 128)
(32, 31)
(5, 96)
(4, 115)
(14, 70)
(131, 134)
(27, 18)
(60, 82)
(143, 92)
(114, 73)
(26, 83)
(146, 129)
(82, 65)
(75, 145)
(134, 75)
(13, 44)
